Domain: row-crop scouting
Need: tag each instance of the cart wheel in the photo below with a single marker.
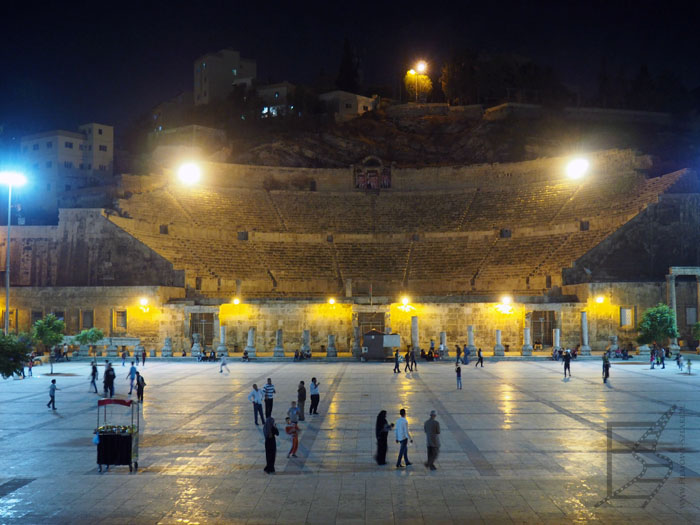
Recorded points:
(136, 466)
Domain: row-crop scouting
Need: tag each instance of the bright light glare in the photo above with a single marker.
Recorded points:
(506, 299)
(143, 301)
(331, 301)
(421, 66)
(577, 168)
(404, 300)
(600, 299)
(411, 71)
(12, 178)
(236, 301)
(189, 173)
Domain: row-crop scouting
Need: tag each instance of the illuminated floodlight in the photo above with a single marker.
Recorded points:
(143, 301)
(600, 299)
(405, 300)
(421, 66)
(331, 301)
(577, 168)
(236, 300)
(143, 304)
(12, 178)
(189, 173)
(411, 72)
(506, 299)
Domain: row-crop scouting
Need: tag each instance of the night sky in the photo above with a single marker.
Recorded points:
(109, 62)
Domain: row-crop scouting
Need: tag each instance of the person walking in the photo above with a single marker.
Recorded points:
(315, 396)
(606, 367)
(663, 358)
(396, 362)
(432, 431)
(140, 385)
(381, 431)
(52, 395)
(407, 361)
(293, 413)
(458, 371)
(93, 377)
(402, 437)
(223, 364)
(30, 365)
(269, 432)
(108, 380)
(414, 364)
(292, 430)
(143, 357)
(269, 395)
(652, 357)
(567, 362)
(301, 399)
(131, 376)
(123, 357)
(256, 397)
(459, 353)
(479, 358)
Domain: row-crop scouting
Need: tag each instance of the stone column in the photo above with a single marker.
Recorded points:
(279, 344)
(415, 344)
(443, 343)
(556, 333)
(356, 341)
(221, 349)
(470, 340)
(331, 351)
(585, 349)
(196, 346)
(499, 349)
(167, 350)
(250, 347)
(305, 341)
(527, 342)
(671, 289)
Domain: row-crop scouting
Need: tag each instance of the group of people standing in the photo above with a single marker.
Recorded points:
(295, 414)
(403, 436)
(109, 376)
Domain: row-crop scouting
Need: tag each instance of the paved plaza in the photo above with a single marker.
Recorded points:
(519, 445)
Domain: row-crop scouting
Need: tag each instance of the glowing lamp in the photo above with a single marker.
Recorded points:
(143, 302)
(506, 299)
(12, 178)
(331, 301)
(411, 72)
(600, 299)
(236, 300)
(577, 168)
(189, 173)
(421, 66)
(404, 300)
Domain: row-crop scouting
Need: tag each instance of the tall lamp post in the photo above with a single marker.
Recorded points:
(421, 68)
(9, 179)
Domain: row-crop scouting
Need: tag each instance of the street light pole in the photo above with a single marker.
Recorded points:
(7, 260)
(9, 179)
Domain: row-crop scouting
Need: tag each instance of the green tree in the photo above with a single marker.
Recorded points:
(48, 331)
(415, 82)
(658, 324)
(13, 355)
(89, 336)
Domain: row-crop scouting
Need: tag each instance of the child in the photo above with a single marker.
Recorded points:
(293, 430)
(223, 364)
(52, 395)
(458, 370)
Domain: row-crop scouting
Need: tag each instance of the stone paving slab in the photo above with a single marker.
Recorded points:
(519, 445)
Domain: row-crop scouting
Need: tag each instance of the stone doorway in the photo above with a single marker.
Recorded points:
(370, 320)
(202, 324)
(542, 325)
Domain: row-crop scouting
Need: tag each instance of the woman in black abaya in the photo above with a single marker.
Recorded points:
(381, 430)
(270, 431)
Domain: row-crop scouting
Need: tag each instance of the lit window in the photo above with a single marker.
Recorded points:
(277, 94)
(35, 147)
(103, 147)
(69, 145)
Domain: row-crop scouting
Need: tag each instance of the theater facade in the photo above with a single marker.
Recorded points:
(282, 257)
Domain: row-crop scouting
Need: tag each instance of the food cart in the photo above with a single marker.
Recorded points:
(117, 439)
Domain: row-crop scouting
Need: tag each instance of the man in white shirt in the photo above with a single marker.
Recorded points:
(256, 397)
(402, 437)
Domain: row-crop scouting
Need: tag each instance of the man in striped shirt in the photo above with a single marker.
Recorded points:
(269, 395)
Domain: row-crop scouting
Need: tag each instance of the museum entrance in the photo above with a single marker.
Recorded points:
(370, 320)
(202, 324)
(542, 325)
